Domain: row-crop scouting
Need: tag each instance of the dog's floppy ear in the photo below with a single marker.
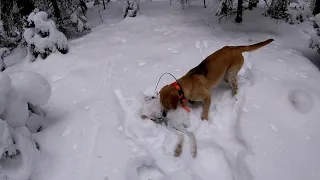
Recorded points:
(174, 100)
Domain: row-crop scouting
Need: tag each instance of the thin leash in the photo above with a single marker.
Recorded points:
(177, 85)
(161, 77)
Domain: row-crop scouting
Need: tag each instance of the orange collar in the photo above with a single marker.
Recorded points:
(182, 99)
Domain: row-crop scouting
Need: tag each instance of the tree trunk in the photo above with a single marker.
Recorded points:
(204, 4)
(56, 10)
(252, 4)
(104, 4)
(25, 6)
(5, 14)
(239, 11)
(316, 9)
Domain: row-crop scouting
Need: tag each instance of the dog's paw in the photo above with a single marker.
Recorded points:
(194, 152)
(204, 117)
(178, 150)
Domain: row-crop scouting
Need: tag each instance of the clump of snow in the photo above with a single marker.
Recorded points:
(314, 41)
(28, 91)
(3, 52)
(131, 8)
(298, 12)
(21, 97)
(6, 142)
(21, 166)
(80, 21)
(5, 87)
(32, 86)
(43, 37)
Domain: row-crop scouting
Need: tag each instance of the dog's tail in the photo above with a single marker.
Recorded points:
(253, 46)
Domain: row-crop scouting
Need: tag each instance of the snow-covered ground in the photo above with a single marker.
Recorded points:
(94, 130)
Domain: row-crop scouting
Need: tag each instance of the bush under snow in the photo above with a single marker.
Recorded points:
(298, 12)
(3, 52)
(79, 19)
(315, 38)
(21, 96)
(43, 37)
(131, 8)
(1, 29)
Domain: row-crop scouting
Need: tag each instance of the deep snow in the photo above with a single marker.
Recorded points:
(270, 131)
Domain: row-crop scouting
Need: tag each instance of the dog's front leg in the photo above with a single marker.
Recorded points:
(206, 107)
(193, 141)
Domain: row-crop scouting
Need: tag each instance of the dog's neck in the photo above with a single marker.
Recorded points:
(184, 86)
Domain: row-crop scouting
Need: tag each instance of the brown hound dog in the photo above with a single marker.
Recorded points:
(197, 84)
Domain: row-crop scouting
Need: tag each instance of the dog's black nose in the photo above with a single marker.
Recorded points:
(164, 113)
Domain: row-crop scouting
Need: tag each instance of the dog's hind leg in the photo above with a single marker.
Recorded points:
(233, 82)
(178, 150)
(232, 75)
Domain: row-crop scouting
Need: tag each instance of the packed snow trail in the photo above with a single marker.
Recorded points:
(95, 131)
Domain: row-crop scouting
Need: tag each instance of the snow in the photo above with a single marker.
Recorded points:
(34, 88)
(22, 167)
(94, 129)
(5, 87)
(23, 91)
(3, 52)
(6, 140)
(19, 93)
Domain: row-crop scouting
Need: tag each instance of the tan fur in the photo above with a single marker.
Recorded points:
(197, 84)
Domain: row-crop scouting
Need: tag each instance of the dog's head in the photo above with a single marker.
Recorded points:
(169, 98)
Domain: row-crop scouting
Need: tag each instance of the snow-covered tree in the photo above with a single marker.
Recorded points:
(69, 15)
(314, 42)
(225, 8)
(252, 4)
(230, 8)
(316, 7)
(277, 8)
(43, 37)
(2, 33)
(239, 11)
(131, 8)
(3, 52)
(21, 96)
(298, 11)
(11, 14)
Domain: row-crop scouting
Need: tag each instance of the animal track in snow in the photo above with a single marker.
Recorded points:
(301, 101)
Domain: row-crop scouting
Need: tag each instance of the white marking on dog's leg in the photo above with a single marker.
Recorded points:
(193, 145)
(233, 81)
